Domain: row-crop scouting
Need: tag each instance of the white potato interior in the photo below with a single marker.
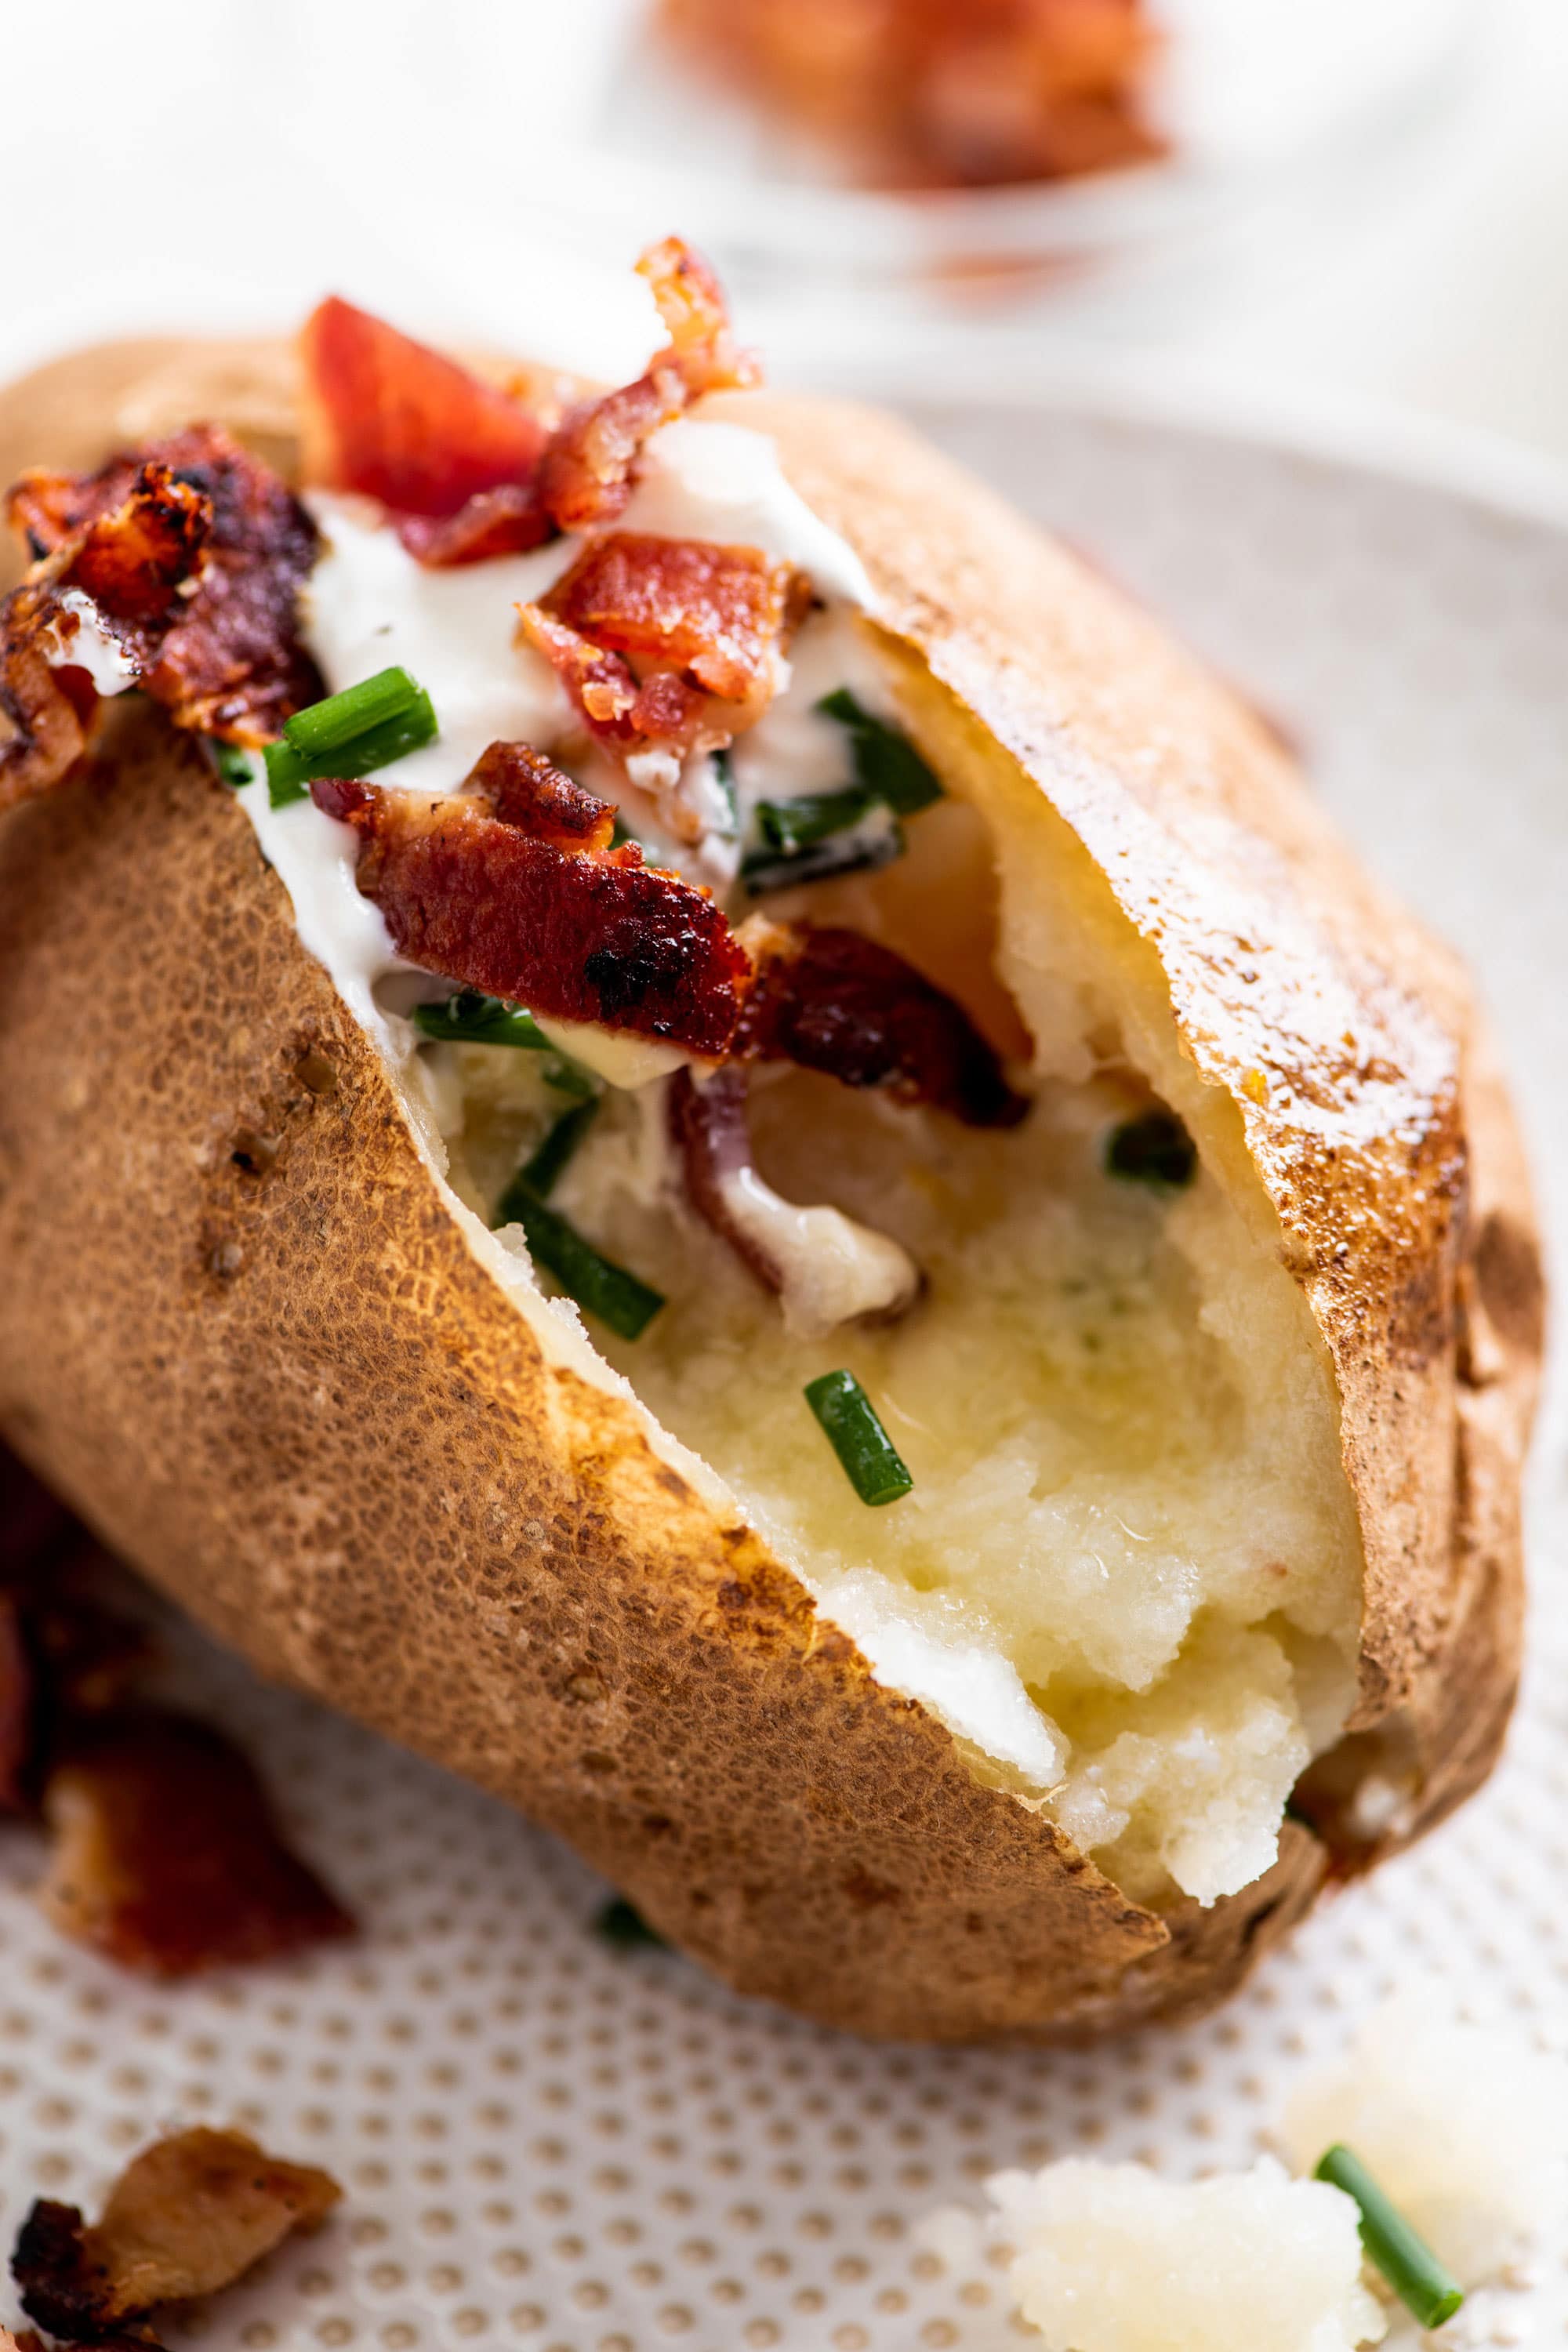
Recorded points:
(1128, 1575)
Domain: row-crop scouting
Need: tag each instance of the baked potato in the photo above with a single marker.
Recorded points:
(1195, 1296)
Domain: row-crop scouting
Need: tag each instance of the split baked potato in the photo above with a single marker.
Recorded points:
(1213, 1373)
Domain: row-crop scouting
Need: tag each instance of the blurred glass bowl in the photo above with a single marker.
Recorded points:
(1287, 120)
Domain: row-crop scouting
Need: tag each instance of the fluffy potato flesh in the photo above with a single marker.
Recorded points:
(1129, 1574)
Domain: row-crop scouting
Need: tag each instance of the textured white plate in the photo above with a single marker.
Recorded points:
(548, 2143)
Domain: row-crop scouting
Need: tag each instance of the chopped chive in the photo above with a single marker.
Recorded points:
(345, 718)
(1153, 1150)
(597, 1284)
(1405, 2260)
(289, 770)
(539, 1175)
(792, 826)
(620, 1923)
(886, 762)
(871, 1462)
(875, 840)
(567, 1077)
(232, 763)
(472, 1019)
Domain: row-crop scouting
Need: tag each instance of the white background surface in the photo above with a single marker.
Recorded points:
(219, 163)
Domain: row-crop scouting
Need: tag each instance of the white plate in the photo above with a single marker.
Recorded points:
(550, 2145)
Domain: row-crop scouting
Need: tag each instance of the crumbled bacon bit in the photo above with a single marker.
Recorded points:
(397, 421)
(717, 613)
(627, 717)
(508, 520)
(833, 1000)
(696, 317)
(528, 791)
(189, 2215)
(168, 1858)
(585, 473)
(593, 935)
(230, 663)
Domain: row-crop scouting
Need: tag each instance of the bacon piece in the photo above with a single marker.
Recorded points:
(823, 1267)
(128, 561)
(167, 1856)
(591, 935)
(715, 612)
(696, 317)
(189, 2215)
(627, 716)
(224, 660)
(832, 1000)
(505, 521)
(389, 417)
(528, 791)
(708, 1126)
(585, 474)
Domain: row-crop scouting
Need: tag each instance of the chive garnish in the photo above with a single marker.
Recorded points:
(792, 826)
(1153, 1150)
(871, 1462)
(725, 776)
(874, 839)
(1405, 2260)
(540, 1174)
(384, 729)
(596, 1283)
(232, 762)
(470, 1018)
(886, 762)
(620, 1923)
(343, 718)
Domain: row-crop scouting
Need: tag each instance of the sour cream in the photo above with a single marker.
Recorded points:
(88, 645)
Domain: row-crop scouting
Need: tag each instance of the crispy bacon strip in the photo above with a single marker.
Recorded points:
(717, 613)
(833, 1000)
(226, 660)
(189, 2215)
(585, 935)
(389, 417)
(585, 473)
(168, 1858)
(508, 520)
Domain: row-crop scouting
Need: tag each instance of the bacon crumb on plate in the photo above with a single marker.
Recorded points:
(190, 2215)
(168, 1858)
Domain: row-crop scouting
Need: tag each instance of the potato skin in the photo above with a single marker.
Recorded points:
(242, 1333)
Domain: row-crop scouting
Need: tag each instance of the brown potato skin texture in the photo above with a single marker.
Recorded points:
(297, 1401)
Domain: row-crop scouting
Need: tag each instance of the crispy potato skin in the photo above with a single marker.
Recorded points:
(303, 1407)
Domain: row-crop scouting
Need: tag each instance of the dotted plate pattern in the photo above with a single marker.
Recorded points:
(553, 2144)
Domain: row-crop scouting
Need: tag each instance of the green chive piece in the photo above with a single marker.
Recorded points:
(567, 1077)
(540, 1174)
(472, 1019)
(597, 1284)
(232, 763)
(871, 1462)
(792, 826)
(1153, 1150)
(875, 840)
(343, 718)
(289, 770)
(886, 762)
(288, 776)
(620, 1923)
(1406, 2261)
